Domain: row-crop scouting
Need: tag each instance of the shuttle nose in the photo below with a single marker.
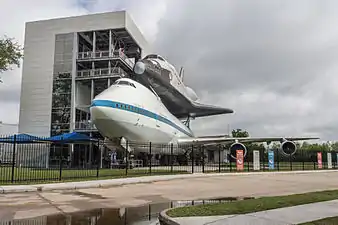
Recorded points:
(139, 67)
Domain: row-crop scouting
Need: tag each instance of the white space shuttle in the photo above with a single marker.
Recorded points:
(157, 73)
(149, 108)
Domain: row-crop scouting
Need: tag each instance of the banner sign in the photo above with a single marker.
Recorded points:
(319, 160)
(271, 158)
(240, 159)
(256, 162)
(329, 160)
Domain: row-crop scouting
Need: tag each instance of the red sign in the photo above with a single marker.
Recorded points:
(239, 159)
(319, 160)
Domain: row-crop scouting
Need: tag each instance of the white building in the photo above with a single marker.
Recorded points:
(67, 62)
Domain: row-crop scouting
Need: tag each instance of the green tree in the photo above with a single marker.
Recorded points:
(315, 147)
(240, 133)
(10, 54)
(334, 146)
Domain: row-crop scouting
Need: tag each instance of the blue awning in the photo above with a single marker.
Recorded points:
(21, 139)
(73, 137)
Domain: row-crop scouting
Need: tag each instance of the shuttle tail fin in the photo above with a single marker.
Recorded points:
(182, 73)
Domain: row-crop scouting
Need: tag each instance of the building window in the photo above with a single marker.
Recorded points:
(62, 84)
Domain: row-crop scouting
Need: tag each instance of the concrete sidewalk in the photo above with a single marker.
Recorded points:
(134, 180)
(281, 216)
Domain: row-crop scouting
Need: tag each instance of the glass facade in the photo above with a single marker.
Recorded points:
(62, 84)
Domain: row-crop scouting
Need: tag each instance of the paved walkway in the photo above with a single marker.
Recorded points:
(282, 216)
(65, 199)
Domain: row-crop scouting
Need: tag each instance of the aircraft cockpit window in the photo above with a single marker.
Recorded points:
(153, 56)
(160, 58)
(124, 82)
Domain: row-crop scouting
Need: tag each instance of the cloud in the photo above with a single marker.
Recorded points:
(145, 14)
(273, 62)
(15, 27)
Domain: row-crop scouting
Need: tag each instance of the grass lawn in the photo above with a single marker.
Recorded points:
(325, 221)
(35, 176)
(248, 167)
(253, 205)
(32, 176)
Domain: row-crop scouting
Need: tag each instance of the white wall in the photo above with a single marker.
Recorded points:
(138, 36)
(37, 77)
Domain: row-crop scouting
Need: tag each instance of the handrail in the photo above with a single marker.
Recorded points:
(101, 72)
(105, 54)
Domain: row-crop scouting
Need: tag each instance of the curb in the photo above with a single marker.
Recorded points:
(135, 180)
(164, 219)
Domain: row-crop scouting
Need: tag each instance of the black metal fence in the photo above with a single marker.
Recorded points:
(28, 161)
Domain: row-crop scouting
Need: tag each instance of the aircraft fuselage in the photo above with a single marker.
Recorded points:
(130, 110)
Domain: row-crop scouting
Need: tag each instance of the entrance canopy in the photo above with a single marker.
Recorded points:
(66, 138)
(73, 137)
(21, 139)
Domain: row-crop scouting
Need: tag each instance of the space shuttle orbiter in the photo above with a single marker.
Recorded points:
(159, 75)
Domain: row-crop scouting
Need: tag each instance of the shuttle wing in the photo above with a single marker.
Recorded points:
(200, 110)
(213, 140)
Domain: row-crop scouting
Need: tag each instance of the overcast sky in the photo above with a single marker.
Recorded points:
(274, 62)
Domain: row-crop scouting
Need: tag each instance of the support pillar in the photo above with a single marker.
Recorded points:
(94, 42)
(92, 91)
(110, 44)
(73, 87)
(90, 152)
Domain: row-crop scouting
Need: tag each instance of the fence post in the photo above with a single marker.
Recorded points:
(127, 156)
(230, 159)
(202, 148)
(277, 153)
(219, 158)
(13, 158)
(303, 159)
(192, 158)
(247, 159)
(290, 161)
(171, 157)
(61, 153)
(98, 160)
(314, 162)
(323, 162)
(263, 162)
(150, 157)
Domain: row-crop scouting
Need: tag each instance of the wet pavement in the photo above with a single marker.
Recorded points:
(21, 206)
(140, 215)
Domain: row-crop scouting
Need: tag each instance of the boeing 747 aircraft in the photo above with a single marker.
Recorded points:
(135, 112)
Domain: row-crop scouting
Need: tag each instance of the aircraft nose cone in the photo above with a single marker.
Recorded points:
(139, 68)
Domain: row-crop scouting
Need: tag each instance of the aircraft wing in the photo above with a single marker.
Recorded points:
(219, 139)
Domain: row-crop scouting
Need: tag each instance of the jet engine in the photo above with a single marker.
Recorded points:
(288, 148)
(191, 94)
(237, 146)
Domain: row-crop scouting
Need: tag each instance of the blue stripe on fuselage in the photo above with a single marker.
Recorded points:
(138, 110)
